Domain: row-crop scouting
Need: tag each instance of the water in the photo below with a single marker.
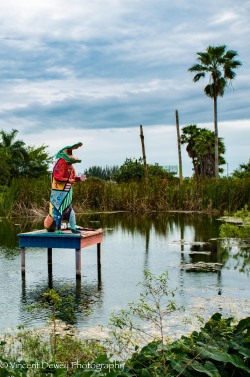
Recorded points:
(131, 244)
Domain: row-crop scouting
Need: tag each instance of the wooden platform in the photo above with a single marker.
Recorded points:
(67, 240)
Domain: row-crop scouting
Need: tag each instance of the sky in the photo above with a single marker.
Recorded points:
(94, 71)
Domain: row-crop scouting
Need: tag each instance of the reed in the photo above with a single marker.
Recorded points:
(207, 195)
(219, 195)
(24, 196)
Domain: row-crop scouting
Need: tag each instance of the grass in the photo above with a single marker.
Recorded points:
(209, 195)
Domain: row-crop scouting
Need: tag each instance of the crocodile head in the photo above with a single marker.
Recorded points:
(67, 153)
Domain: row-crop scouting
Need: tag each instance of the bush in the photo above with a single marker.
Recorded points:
(219, 349)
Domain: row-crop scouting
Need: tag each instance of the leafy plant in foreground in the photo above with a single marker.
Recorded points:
(219, 349)
(155, 304)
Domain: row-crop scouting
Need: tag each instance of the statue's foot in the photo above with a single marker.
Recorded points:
(59, 231)
(75, 231)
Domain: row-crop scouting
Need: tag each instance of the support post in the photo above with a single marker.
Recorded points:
(23, 260)
(49, 255)
(50, 281)
(78, 262)
(99, 254)
(99, 265)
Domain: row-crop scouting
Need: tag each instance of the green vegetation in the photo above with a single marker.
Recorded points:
(20, 160)
(25, 186)
(220, 348)
(155, 304)
(133, 170)
(243, 171)
(107, 173)
(31, 196)
(200, 148)
(130, 170)
(25, 196)
(31, 352)
(219, 64)
(237, 225)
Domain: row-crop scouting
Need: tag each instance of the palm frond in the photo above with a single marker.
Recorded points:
(197, 68)
(198, 76)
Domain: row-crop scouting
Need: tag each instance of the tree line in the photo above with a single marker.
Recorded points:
(19, 160)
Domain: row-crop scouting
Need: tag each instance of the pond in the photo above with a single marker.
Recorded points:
(158, 242)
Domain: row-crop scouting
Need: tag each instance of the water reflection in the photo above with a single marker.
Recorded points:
(77, 299)
(155, 241)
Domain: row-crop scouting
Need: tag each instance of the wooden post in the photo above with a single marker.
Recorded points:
(78, 287)
(78, 262)
(99, 265)
(98, 254)
(144, 154)
(49, 255)
(23, 260)
(50, 280)
(179, 144)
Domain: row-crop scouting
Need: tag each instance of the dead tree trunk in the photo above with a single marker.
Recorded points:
(179, 144)
(144, 155)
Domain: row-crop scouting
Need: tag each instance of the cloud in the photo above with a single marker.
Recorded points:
(109, 66)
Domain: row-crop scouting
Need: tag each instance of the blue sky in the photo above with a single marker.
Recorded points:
(94, 71)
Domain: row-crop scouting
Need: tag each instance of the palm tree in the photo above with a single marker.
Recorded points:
(200, 148)
(14, 149)
(243, 171)
(220, 65)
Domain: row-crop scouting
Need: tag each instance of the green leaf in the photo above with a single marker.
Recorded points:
(180, 366)
(208, 368)
(214, 354)
(102, 359)
(216, 317)
(238, 362)
(146, 373)
(244, 324)
(244, 351)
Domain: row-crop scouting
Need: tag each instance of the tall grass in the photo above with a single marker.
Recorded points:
(162, 195)
(224, 194)
(25, 195)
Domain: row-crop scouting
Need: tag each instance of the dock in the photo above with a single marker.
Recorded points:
(66, 240)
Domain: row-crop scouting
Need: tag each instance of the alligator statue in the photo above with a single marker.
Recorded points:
(63, 178)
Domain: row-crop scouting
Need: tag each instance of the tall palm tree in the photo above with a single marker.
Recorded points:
(220, 65)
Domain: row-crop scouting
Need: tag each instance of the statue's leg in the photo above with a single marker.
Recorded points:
(57, 218)
(49, 224)
(72, 221)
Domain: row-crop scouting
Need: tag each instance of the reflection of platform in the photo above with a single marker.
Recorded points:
(67, 240)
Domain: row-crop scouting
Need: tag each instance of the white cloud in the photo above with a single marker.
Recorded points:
(107, 66)
(225, 17)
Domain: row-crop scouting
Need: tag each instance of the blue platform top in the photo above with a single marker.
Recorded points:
(67, 240)
(45, 233)
(42, 238)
